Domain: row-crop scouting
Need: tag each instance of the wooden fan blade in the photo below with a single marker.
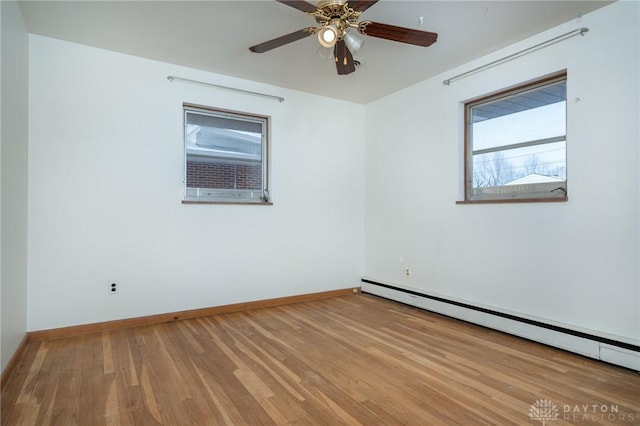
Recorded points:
(361, 5)
(281, 41)
(300, 5)
(344, 58)
(401, 34)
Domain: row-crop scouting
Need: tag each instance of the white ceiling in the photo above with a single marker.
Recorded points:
(215, 36)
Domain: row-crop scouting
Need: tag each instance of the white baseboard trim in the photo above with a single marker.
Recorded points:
(605, 349)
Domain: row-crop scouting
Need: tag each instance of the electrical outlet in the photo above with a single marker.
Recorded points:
(113, 288)
(407, 271)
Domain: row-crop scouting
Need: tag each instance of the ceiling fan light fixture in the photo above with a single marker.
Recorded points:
(328, 35)
(353, 41)
(325, 52)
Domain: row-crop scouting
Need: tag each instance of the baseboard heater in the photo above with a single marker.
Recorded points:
(624, 354)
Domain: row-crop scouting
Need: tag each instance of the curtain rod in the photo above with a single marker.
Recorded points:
(582, 31)
(173, 78)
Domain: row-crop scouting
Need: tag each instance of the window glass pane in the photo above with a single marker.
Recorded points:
(528, 125)
(209, 136)
(531, 164)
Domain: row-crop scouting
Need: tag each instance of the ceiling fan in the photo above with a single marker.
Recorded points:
(337, 20)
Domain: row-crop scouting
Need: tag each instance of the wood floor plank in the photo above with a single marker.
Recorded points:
(349, 360)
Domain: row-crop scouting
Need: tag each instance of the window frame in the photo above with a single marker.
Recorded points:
(221, 195)
(523, 193)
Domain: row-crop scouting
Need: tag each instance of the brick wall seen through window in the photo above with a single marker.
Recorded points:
(201, 174)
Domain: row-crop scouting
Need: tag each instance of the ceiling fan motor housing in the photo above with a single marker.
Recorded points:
(324, 3)
(336, 13)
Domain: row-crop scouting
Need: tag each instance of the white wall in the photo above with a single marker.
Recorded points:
(106, 164)
(13, 171)
(574, 263)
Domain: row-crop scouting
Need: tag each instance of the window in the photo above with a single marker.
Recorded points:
(226, 156)
(515, 144)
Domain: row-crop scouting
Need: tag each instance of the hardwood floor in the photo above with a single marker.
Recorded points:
(353, 359)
